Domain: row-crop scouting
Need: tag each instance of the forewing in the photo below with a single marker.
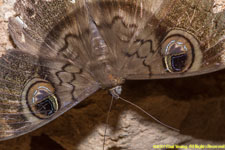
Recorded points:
(48, 73)
(20, 73)
(54, 29)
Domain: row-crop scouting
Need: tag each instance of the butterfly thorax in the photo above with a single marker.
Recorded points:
(103, 64)
(106, 75)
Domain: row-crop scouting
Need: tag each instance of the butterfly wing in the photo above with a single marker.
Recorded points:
(162, 39)
(45, 76)
(24, 82)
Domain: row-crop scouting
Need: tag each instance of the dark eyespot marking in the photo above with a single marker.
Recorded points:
(178, 62)
(45, 107)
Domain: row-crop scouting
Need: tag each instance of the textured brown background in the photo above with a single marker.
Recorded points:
(195, 105)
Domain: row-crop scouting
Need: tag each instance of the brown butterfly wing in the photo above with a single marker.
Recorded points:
(19, 72)
(45, 76)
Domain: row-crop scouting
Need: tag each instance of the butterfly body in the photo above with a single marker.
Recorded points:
(66, 51)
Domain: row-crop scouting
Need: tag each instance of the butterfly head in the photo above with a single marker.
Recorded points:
(116, 91)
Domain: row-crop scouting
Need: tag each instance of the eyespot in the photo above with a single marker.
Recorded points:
(41, 99)
(178, 53)
(181, 52)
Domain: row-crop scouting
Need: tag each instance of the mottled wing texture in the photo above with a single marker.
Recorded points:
(43, 57)
(135, 32)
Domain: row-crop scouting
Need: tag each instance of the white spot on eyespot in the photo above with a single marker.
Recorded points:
(219, 6)
(167, 47)
(185, 48)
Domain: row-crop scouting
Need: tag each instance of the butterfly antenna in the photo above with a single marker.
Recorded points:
(107, 121)
(154, 118)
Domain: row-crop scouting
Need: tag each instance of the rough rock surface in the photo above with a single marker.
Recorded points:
(6, 11)
(195, 105)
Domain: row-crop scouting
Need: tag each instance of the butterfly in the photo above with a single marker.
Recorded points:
(67, 50)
